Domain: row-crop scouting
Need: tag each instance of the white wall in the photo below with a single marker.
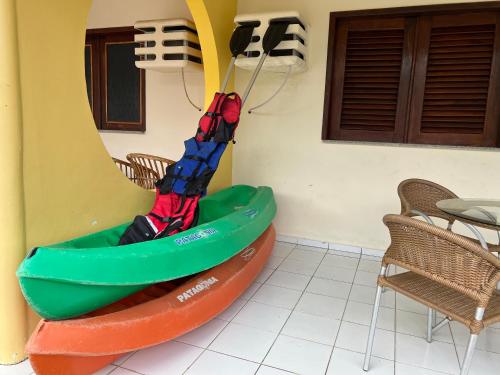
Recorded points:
(337, 191)
(170, 119)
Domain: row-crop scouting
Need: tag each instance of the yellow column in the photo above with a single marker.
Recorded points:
(13, 327)
(214, 22)
(57, 121)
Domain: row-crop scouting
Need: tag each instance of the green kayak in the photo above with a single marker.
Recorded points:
(78, 276)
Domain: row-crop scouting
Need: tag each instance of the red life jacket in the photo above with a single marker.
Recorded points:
(172, 213)
(224, 110)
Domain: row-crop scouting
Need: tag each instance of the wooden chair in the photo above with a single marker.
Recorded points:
(446, 272)
(126, 168)
(148, 168)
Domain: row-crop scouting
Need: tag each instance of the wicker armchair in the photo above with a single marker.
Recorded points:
(446, 272)
(148, 168)
(419, 197)
(126, 168)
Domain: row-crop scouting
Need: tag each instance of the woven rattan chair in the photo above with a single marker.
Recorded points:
(419, 197)
(148, 168)
(126, 168)
(446, 272)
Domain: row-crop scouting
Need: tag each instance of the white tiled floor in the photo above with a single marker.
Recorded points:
(308, 313)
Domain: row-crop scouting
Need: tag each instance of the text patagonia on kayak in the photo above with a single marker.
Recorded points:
(200, 287)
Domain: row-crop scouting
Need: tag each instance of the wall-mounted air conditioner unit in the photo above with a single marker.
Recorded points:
(168, 45)
(290, 54)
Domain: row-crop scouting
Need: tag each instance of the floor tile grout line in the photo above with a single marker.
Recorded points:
(341, 320)
(348, 350)
(221, 353)
(217, 335)
(269, 305)
(229, 321)
(401, 333)
(239, 310)
(291, 312)
(317, 342)
(277, 368)
(315, 293)
(422, 337)
(424, 368)
(210, 343)
(325, 278)
(204, 349)
(308, 340)
(130, 356)
(125, 368)
(308, 291)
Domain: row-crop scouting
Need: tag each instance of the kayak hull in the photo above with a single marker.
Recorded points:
(78, 276)
(83, 346)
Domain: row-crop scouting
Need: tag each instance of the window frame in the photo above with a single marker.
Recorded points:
(330, 110)
(97, 39)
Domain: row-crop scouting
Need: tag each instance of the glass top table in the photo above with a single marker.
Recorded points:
(485, 211)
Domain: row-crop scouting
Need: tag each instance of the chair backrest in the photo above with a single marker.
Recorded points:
(422, 195)
(443, 256)
(126, 168)
(148, 168)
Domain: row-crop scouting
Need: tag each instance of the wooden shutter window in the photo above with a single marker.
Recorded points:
(452, 94)
(449, 83)
(92, 77)
(115, 87)
(370, 79)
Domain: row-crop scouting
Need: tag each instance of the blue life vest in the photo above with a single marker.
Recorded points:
(192, 173)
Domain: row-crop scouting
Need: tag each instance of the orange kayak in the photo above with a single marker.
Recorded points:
(152, 316)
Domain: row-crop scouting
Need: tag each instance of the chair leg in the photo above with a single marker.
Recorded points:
(430, 318)
(386, 273)
(471, 345)
(373, 324)
(371, 335)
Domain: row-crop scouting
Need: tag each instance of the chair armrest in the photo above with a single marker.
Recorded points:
(445, 257)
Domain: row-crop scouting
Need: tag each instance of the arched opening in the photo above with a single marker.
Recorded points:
(142, 115)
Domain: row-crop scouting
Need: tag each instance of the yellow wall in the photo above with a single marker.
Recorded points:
(71, 186)
(337, 191)
(12, 309)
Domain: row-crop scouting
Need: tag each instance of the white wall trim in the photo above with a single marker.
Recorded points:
(330, 245)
